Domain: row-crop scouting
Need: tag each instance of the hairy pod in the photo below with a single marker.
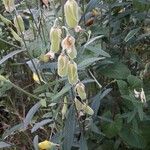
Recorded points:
(80, 89)
(55, 39)
(72, 52)
(71, 9)
(62, 65)
(81, 106)
(9, 5)
(19, 24)
(72, 73)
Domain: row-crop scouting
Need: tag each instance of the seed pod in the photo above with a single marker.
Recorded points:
(80, 89)
(71, 9)
(64, 109)
(15, 35)
(19, 24)
(9, 5)
(72, 73)
(72, 52)
(55, 39)
(81, 106)
(44, 58)
(62, 65)
(5, 20)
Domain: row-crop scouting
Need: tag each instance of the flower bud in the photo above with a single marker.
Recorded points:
(71, 13)
(72, 73)
(9, 5)
(80, 89)
(62, 65)
(19, 24)
(55, 39)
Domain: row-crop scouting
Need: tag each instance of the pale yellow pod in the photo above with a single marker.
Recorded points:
(72, 72)
(62, 68)
(9, 5)
(80, 89)
(64, 108)
(71, 9)
(72, 52)
(5, 20)
(19, 24)
(44, 58)
(55, 39)
(47, 145)
(81, 106)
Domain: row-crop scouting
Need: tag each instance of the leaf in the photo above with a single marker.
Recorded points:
(131, 34)
(132, 138)
(11, 54)
(140, 111)
(123, 87)
(89, 61)
(4, 144)
(134, 81)
(35, 142)
(10, 131)
(116, 71)
(97, 50)
(97, 99)
(131, 115)
(83, 143)
(43, 102)
(93, 39)
(65, 89)
(30, 114)
(69, 129)
(40, 124)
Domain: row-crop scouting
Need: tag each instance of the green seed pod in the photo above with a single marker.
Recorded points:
(80, 89)
(64, 108)
(72, 52)
(71, 9)
(88, 110)
(62, 65)
(5, 20)
(19, 24)
(72, 73)
(55, 39)
(78, 104)
(44, 58)
(9, 5)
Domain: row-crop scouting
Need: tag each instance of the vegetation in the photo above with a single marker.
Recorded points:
(74, 74)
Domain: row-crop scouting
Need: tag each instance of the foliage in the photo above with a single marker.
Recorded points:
(113, 62)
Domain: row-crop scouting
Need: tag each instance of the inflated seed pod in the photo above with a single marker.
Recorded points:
(19, 24)
(81, 106)
(72, 72)
(62, 68)
(44, 58)
(55, 39)
(64, 108)
(72, 52)
(80, 89)
(9, 5)
(71, 9)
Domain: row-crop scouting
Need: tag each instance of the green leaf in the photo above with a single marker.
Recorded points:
(65, 89)
(4, 145)
(40, 124)
(35, 142)
(83, 143)
(69, 129)
(30, 114)
(11, 54)
(132, 138)
(134, 81)
(116, 71)
(89, 61)
(140, 111)
(131, 115)
(131, 34)
(112, 129)
(123, 87)
(98, 51)
(43, 102)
